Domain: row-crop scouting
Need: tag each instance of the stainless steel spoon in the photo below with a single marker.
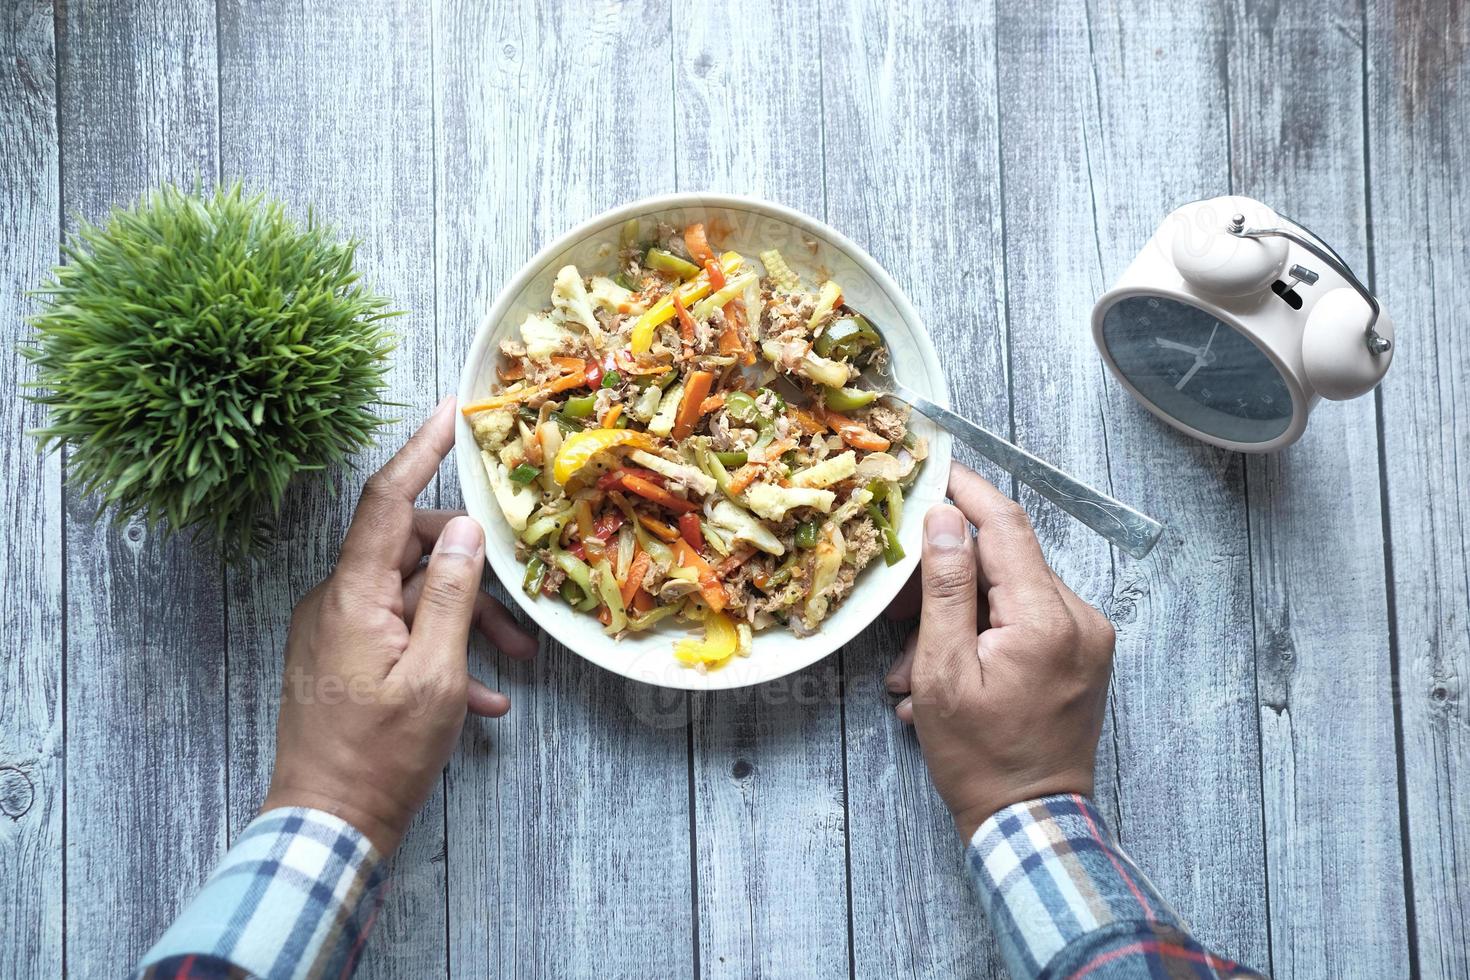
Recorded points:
(1134, 533)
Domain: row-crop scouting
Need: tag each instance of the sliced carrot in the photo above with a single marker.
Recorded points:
(743, 477)
(686, 322)
(709, 583)
(570, 363)
(611, 416)
(658, 527)
(856, 435)
(642, 601)
(695, 390)
(698, 245)
(740, 557)
(567, 382)
(657, 494)
(715, 273)
(711, 403)
(636, 571)
(501, 400)
(807, 420)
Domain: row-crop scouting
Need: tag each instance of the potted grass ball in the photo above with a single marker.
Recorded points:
(197, 352)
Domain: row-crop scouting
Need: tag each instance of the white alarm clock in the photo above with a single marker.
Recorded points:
(1233, 322)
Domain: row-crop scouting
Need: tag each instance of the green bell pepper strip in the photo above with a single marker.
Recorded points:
(579, 407)
(780, 576)
(647, 620)
(535, 576)
(847, 399)
(580, 575)
(612, 379)
(732, 459)
(628, 234)
(622, 280)
(713, 465)
(525, 473)
(668, 262)
(566, 424)
(731, 290)
(544, 525)
(741, 407)
(846, 338)
(806, 535)
(892, 550)
(607, 590)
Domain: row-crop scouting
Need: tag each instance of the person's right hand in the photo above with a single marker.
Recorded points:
(1007, 674)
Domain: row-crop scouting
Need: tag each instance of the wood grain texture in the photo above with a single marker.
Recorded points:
(1324, 685)
(912, 175)
(768, 789)
(1418, 121)
(1184, 717)
(145, 735)
(31, 730)
(335, 113)
(569, 818)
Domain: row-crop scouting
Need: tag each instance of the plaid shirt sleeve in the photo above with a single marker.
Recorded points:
(294, 897)
(1065, 901)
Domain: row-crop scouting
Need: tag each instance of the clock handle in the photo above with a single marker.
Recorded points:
(1132, 532)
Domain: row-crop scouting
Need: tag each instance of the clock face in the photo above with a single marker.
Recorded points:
(1197, 368)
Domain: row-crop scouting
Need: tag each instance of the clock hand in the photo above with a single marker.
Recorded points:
(1209, 342)
(1189, 374)
(1176, 345)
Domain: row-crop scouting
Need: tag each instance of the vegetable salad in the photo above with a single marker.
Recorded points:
(687, 439)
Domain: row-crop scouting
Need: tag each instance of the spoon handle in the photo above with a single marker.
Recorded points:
(1134, 533)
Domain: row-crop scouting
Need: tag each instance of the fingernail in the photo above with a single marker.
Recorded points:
(461, 536)
(944, 528)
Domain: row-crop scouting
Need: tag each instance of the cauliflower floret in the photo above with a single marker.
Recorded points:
(827, 472)
(516, 501)
(743, 527)
(492, 428)
(543, 337)
(772, 502)
(608, 295)
(569, 298)
(692, 478)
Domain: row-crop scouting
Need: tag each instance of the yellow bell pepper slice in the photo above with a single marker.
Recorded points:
(695, 289)
(579, 448)
(720, 642)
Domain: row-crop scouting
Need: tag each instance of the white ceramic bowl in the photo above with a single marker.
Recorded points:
(814, 251)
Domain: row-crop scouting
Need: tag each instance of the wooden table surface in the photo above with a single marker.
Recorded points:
(1287, 740)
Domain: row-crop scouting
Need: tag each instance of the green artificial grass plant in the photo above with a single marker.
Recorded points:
(198, 351)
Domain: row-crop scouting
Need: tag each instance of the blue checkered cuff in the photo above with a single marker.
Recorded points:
(294, 897)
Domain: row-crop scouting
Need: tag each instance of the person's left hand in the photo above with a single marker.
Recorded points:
(376, 682)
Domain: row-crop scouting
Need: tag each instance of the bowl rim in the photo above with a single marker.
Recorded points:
(467, 451)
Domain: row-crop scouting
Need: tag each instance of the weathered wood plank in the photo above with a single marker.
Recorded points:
(1322, 654)
(768, 789)
(1185, 733)
(335, 113)
(30, 508)
(912, 174)
(568, 848)
(1418, 121)
(145, 734)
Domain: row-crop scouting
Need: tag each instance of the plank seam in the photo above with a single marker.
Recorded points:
(56, 39)
(1411, 924)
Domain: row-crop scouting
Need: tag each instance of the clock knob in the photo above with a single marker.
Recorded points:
(1339, 357)
(1213, 260)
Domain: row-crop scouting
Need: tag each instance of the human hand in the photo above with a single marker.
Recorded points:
(376, 682)
(1011, 711)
